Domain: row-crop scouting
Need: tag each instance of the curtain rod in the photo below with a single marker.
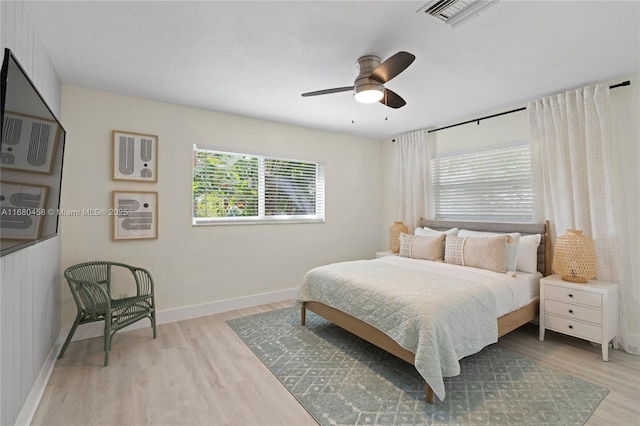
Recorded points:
(477, 120)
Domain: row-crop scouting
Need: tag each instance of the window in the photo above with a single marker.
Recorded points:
(492, 184)
(232, 187)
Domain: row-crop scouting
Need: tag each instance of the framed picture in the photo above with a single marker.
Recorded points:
(135, 215)
(28, 143)
(22, 210)
(135, 156)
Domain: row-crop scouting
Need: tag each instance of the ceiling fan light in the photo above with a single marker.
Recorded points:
(369, 93)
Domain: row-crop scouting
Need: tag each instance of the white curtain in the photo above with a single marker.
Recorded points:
(571, 150)
(413, 180)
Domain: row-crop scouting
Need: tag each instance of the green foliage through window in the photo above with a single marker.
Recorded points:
(229, 187)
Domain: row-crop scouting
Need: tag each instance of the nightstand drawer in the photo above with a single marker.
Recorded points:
(573, 328)
(588, 311)
(570, 310)
(570, 295)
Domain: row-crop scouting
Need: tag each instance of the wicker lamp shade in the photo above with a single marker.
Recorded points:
(394, 235)
(575, 257)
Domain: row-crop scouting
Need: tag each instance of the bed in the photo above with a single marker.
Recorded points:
(433, 323)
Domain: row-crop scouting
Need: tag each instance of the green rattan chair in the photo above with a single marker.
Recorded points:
(91, 285)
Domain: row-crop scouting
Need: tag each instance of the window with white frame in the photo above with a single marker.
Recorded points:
(232, 187)
(490, 184)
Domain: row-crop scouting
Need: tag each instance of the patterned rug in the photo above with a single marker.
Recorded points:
(342, 379)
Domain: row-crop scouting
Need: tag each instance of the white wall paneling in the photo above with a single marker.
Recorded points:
(30, 278)
(30, 309)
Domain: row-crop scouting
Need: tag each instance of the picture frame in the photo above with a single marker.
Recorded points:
(28, 143)
(22, 210)
(135, 156)
(135, 215)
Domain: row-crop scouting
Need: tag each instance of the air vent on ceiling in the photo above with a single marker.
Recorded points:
(451, 12)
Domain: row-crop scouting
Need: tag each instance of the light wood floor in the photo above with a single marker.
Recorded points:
(198, 372)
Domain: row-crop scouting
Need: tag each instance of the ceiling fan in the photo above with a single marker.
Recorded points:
(369, 84)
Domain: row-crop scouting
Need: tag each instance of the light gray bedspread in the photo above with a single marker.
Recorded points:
(438, 317)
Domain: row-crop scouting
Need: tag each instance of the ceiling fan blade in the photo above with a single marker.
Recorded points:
(392, 99)
(328, 91)
(392, 67)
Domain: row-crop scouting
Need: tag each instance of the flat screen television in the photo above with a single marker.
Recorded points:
(31, 153)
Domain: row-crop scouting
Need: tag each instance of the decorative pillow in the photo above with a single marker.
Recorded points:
(528, 253)
(430, 232)
(478, 252)
(453, 250)
(421, 247)
(512, 245)
(405, 244)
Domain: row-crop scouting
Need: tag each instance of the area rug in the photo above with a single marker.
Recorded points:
(341, 379)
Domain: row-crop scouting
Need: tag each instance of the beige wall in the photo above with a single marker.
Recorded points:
(198, 265)
(625, 106)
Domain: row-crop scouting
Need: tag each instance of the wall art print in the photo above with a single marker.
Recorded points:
(135, 156)
(135, 215)
(28, 143)
(22, 209)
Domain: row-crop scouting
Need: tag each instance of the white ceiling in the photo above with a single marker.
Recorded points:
(256, 58)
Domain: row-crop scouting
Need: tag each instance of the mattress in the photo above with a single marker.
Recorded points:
(512, 291)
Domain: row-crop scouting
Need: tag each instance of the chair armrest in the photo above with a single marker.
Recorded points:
(94, 297)
(144, 281)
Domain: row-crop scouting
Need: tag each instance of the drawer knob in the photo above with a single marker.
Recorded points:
(570, 294)
(570, 311)
(571, 327)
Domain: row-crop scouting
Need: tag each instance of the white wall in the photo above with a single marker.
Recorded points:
(625, 107)
(197, 265)
(29, 278)
(625, 116)
(506, 128)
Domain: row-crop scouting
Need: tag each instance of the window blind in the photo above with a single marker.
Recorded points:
(233, 187)
(493, 184)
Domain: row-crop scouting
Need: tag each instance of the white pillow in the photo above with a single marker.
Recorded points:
(512, 246)
(528, 253)
(428, 232)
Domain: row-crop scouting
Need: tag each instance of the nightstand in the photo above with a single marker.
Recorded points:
(384, 253)
(588, 311)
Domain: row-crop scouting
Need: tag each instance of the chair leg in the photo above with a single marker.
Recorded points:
(71, 332)
(153, 323)
(107, 341)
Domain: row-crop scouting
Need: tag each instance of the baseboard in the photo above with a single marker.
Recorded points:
(33, 400)
(89, 331)
(633, 343)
